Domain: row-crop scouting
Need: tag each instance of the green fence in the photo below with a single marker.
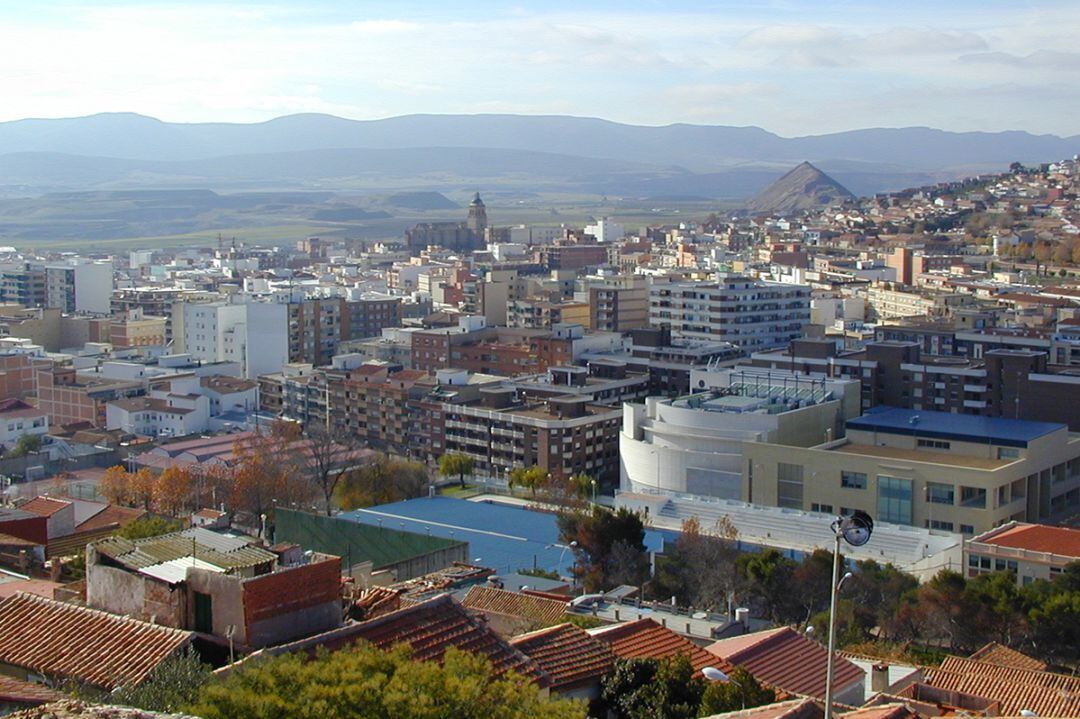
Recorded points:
(355, 542)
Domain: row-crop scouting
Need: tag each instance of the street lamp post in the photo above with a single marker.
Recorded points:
(716, 675)
(855, 530)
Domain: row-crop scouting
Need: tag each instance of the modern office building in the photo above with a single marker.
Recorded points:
(695, 443)
(752, 314)
(937, 470)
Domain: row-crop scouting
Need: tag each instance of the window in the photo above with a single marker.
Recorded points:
(823, 508)
(973, 497)
(967, 529)
(1008, 453)
(938, 524)
(894, 499)
(940, 493)
(853, 480)
(933, 444)
(789, 485)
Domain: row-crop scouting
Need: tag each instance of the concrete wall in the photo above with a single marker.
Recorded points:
(122, 592)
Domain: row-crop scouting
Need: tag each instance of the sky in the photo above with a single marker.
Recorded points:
(800, 67)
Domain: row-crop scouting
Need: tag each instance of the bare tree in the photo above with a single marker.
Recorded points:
(328, 458)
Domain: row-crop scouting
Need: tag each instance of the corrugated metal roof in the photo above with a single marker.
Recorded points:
(174, 571)
(221, 551)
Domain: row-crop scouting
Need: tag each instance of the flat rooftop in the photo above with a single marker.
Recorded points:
(914, 455)
(946, 425)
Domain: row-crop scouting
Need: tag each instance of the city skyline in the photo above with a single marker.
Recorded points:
(793, 69)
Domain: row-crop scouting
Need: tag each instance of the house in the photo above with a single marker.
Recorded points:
(787, 660)
(429, 627)
(18, 418)
(510, 613)
(1028, 551)
(174, 408)
(575, 661)
(44, 639)
(1015, 690)
(647, 639)
(73, 523)
(216, 584)
(16, 694)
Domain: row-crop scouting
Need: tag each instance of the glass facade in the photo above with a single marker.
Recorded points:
(789, 485)
(894, 499)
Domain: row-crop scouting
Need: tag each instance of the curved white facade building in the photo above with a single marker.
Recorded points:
(693, 444)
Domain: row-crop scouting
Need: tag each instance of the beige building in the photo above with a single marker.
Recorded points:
(936, 470)
(1029, 551)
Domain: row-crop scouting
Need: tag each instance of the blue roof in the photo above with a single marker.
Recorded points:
(504, 537)
(946, 425)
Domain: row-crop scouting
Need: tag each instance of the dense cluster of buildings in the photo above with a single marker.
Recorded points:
(915, 356)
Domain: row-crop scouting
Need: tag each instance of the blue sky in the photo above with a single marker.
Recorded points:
(794, 68)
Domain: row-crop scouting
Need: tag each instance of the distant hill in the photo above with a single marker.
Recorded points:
(422, 201)
(803, 188)
(698, 148)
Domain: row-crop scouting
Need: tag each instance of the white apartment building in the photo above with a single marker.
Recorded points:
(83, 287)
(749, 313)
(255, 334)
(172, 409)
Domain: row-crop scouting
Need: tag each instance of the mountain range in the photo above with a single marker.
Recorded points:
(449, 152)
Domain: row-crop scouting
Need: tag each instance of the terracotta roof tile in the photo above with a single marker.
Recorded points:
(109, 517)
(994, 653)
(787, 660)
(90, 646)
(791, 709)
(14, 691)
(429, 628)
(1036, 538)
(1045, 693)
(567, 653)
(377, 601)
(544, 612)
(645, 639)
(44, 506)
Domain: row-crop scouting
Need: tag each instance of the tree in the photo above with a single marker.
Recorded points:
(174, 490)
(700, 569)
(456, 464)
(768, 574)
(597, 531)
(814, 578)
(173, 685)
(26, 444)
(581, 485)
(114, 485)
(365, 682)
(145, 527)
(742, 691)
(382, 480)
(531, 478)
(328, 460)
(266, 469)
(652, 689)
(141, 488)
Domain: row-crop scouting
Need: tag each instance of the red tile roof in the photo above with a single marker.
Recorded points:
(87, 645)
(14, 691)
(787, 660)
(543, 612)
(567, 653)
(110, 517)
(994, 653)
(645, 639)
(883, 711)
(44, 506)
(1044, 693)
(791, 709)
(377, 601)
(40, 587)
(1035, 537)
(429, 628)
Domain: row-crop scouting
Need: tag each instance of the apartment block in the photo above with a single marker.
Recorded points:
(68, 397)
(84, 287)
(616, 304)
(751, 314)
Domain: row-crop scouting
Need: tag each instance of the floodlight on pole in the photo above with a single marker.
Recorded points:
(855, 529)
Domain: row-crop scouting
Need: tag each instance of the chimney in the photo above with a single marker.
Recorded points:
(879, 677)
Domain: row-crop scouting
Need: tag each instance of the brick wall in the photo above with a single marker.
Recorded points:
(291, 590)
